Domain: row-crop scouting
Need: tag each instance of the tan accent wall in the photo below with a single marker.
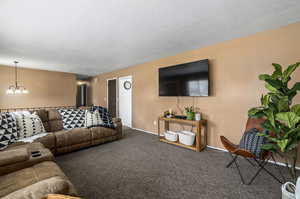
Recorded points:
(235, 66)
(46, 88)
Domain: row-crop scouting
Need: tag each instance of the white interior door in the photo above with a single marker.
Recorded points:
(125, 100)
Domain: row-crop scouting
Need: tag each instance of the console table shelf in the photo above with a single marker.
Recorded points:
(199, 144)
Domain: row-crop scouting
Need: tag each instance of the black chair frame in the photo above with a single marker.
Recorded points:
(260, 163)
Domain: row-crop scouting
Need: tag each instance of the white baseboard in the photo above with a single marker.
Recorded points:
(213, 147)
(216, 148)
(144, 131)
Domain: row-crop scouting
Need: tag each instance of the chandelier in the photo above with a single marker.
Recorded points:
(16, 88)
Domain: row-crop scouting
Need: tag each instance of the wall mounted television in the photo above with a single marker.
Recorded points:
(188, 79)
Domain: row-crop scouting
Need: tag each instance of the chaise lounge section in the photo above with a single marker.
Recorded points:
(24, 175)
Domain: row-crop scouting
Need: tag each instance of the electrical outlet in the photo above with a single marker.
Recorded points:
(154, 122)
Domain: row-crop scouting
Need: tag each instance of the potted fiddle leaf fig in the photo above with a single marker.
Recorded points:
(282, 124)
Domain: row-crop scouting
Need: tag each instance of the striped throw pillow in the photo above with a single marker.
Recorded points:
(253, 142)
(92, 118)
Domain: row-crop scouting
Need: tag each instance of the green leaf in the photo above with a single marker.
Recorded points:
(282, 144)
(274, 83)
(287, 73)
(268, 126)
(269, 147)
(256, 112)
(289, 118)
(283, 104)
(295, 88)
(265, 99)
(278, 70)
(292, 95)
(271, 139)
(264, 77)
(270, 115)
(271, 88)
(292, 133)
(296, 109)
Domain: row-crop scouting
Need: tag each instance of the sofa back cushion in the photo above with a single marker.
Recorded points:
(43, 114)
(55, 120)
(72, 118)
(8, 129)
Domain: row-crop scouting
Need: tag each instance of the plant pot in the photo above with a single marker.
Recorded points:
(286, 194)
(190, 115)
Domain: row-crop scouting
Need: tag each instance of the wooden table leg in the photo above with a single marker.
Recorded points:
(167, 126)
(205, 135)
(158, 128)
(198, 137)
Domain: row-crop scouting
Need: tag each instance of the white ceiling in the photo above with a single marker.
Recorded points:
(95, 36)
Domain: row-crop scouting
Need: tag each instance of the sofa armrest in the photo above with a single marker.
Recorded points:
(24, 158)
(116, 119)
(42, 188)
(13, 156)
(119, 126)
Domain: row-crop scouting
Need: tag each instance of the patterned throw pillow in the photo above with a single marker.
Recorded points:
(253, 142)
(8, 130)
(105, 116)
(28, 124)
(72, 118)
(92, 118)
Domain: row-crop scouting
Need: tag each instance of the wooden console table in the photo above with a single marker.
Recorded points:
(199, 145)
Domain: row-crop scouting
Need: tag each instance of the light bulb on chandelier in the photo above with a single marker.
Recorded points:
(16, 89)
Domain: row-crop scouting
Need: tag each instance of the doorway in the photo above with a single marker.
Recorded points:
(112, 96)
(125, 100)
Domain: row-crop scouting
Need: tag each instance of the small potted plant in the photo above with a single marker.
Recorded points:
(282, 120)
(190, 113)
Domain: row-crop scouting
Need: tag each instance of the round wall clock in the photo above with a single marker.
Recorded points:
(127, 85)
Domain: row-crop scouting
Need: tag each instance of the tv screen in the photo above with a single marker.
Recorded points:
(189, 79)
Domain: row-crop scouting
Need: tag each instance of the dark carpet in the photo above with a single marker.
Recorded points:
(139, 166)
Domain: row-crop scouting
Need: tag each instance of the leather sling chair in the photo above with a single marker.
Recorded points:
(261, 162)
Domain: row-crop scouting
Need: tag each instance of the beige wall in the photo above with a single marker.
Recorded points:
(235, 66)
(46, 88)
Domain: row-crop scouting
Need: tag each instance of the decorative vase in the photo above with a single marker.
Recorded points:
(190, 115)
(286, 194)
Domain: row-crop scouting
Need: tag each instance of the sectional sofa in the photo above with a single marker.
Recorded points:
(28, 170)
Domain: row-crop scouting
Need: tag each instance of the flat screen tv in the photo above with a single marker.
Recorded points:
(189, 79)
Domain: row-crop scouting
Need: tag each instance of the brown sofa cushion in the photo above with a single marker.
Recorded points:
(43, 114)
(102, 132)
(41, 189)
(55, 120)
(53, 114)
(35, 146)
(19, 179)
(72, 137)
(13, 156)
(56, 125)
(48, 141)
(29, 146)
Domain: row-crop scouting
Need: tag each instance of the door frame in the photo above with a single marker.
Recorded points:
(125, 77)
(117, 94)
